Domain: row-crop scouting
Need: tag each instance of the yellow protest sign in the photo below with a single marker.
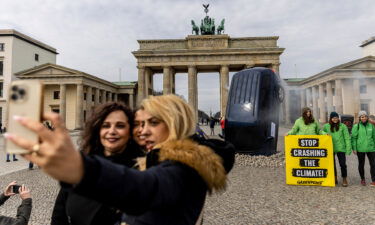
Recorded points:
(309, 160)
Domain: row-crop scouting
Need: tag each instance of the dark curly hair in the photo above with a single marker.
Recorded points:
(90, 143)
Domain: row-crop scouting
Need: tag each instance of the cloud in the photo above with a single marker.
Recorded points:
(98, 36)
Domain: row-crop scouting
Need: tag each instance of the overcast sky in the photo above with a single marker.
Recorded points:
(98, 36)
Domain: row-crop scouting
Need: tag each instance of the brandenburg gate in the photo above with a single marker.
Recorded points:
(202, 53)
(207, 52)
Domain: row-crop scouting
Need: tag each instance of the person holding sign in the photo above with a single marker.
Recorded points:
(306, 125)
(341, 144)
(363, 143)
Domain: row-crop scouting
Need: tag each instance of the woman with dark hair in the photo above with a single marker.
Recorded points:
(107, 134)
(306, 125)
(341, 144)
(176, 175)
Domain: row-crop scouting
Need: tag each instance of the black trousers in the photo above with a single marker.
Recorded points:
(361, 164)
(342, 161)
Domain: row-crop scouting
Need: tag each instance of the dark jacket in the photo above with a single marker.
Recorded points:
(172, 189)
(23, 212)
(73, 209)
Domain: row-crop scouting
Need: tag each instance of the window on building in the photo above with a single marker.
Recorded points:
(84, 115)
(56, 95)
(363, 89)
(36, 57)
(364, 107)
(1, 68)
(93, 98)
(84, 96)
(100, 99)
(1, 89)
(1, 47)
(1, 118)
(56, 110)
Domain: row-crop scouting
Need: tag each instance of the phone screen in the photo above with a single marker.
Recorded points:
(15, 189)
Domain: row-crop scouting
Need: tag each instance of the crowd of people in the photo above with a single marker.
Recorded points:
(133, 167)
(361, 141)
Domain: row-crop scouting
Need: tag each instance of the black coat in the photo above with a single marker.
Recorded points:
(172, 190)
(73, 209)
(23, 212)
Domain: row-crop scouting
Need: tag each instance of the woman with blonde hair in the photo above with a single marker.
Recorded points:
(178, 172)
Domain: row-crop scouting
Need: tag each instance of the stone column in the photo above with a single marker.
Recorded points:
(172, 73)
(141, 84)
(79, 111)
(356, 98)
(329, 97)
(224, 82)
(308, 97)
(287, 106)
(148, 74)
(314, 96)
(166, 80)
(193, 89)
(303, 98)
(322, 111)
(115, 95)
(63, 101)
(104, 96)
(97, 93)
(131, 101)
(275, 67)
(338, 96)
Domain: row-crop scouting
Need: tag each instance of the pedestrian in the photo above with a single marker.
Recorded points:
(107, 134)
(306, 124)
(177, 175)
(363, 143)
(14, 157)
(212, 126)
(137, 131)
(222, 125)
(341, 144)
(23, 211)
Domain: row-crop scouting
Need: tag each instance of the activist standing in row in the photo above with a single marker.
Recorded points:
(306, 125)
(363, 143)
(341, 144)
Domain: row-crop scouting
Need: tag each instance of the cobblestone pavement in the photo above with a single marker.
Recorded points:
(255, 195)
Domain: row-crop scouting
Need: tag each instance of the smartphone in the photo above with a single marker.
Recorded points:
(25, 98)
(16, 188)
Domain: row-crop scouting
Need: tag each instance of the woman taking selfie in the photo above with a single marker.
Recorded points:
(177, 173)
(107, 134)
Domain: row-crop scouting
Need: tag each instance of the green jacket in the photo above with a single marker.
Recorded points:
(300, 128)
(363, 137)
(340, 139)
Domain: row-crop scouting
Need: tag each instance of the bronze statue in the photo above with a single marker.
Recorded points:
(195, 28)
(207, 26)
(220, 28)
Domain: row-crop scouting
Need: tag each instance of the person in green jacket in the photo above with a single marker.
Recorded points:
(341, 144)
(306, 125)
(363, 143)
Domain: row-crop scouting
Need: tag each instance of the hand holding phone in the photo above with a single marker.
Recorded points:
(25, 98)
(16, 189)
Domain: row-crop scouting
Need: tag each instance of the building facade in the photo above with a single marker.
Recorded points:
(347, 89)
(19, 52)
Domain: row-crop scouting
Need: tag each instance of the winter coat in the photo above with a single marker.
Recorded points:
(23, 212)
(171, 190)
(300, 128)
(73, 209)
(340, 139)
(363, 137)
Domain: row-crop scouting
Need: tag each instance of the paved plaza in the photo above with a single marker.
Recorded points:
(255, 195)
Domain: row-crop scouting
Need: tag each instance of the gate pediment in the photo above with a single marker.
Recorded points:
(207, 41)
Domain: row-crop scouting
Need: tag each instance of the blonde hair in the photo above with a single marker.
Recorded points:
(174, 112)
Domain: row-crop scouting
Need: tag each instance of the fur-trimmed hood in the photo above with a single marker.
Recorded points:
(199, 157)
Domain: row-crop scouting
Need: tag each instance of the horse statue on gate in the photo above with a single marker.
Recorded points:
(195, 28)
(220, 28)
